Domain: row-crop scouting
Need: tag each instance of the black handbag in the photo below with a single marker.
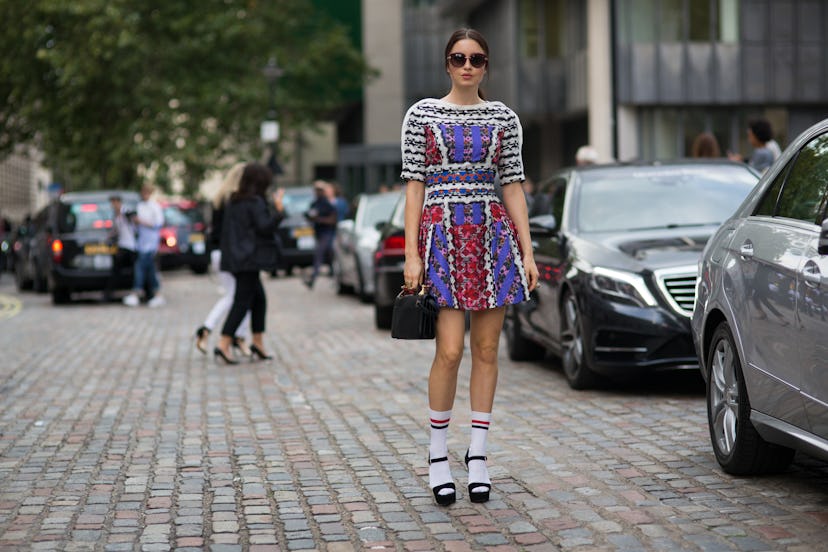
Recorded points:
(414, 315)
(267, 252)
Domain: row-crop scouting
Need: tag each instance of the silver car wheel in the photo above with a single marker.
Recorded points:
(574, 340)
(724, 396)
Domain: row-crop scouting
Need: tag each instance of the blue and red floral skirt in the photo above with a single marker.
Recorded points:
(471, 254)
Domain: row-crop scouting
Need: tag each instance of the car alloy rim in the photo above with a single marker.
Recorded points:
(572, 335)
(724, 396)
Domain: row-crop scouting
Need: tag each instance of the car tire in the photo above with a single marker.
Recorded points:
(61, 296)
(574, 359)
(200, 268)
(341, 287)
(382, 316)
(517, 346)
(738, 447)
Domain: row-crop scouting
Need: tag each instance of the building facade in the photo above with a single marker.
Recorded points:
(638, 79)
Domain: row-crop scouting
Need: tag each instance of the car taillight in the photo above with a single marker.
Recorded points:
(170, 241)
(57, 251)
(392, 245)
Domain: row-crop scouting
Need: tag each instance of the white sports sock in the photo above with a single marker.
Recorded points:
(439, 473)
(478, 472)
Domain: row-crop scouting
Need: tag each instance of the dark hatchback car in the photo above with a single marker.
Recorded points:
(617, 247)
(182, 237)
(295, 234)
(70, 246)
(389, 260)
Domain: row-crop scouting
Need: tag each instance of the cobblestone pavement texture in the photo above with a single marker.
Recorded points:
(116, 434)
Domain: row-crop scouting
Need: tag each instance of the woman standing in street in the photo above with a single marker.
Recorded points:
(471, 250)
(226, 280)
(247, 247)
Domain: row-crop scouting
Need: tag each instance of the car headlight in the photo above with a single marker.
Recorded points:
(624, 286)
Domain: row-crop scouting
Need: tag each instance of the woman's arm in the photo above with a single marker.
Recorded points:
(515, 203)
(413, 271)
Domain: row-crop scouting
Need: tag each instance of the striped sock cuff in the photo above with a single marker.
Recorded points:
(480, 424)
(440, 424)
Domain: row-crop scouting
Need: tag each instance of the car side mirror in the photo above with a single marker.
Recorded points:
(380, 226)
(822, 244)
(544, 223)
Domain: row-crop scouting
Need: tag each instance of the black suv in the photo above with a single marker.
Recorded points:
(71, 249)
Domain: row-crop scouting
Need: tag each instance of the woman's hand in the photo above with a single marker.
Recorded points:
(413, 272)
(532, 274)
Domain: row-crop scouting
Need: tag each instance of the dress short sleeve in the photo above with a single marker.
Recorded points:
(413, 145)
(510, 165)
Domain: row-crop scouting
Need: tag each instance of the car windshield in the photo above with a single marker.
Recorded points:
(660, 197)
(85, 215)
(377, 209)
(173, 216)
(297, 202)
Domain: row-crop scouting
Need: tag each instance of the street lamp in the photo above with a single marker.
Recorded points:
(270, 127)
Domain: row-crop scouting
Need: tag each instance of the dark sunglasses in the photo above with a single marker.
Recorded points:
(459, 60)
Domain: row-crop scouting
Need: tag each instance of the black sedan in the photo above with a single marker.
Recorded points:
(617, 247)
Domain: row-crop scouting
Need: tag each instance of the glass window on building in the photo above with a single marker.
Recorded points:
(530, 29)
(555, 27)
(638, 21)
(670, 20)
(728, 11)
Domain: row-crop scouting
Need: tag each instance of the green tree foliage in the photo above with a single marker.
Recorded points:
(104, 87)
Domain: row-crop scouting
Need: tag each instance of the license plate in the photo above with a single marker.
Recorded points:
(102, 262)
(196, 237)
(302, 232)
(99, 249)
(306, 242)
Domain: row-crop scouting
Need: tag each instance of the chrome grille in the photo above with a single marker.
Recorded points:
(678, 286)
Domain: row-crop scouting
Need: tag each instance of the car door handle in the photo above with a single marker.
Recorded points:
(811, 274)
(746, 251)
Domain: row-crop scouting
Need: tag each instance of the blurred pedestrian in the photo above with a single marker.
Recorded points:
(336, 197)
(248, 245)
(122, 236)
(759, 133)
(471, 250)
(226, 280)
(586, 155)
(5, 246)
(149, 218)
(706, 145)
(322, 213)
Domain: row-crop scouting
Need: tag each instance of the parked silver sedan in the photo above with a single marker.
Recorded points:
(760, 323)
(356, 241)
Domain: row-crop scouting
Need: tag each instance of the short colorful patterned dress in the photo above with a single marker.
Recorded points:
(468, 243)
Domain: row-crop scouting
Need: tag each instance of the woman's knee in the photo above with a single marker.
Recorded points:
(485, 351)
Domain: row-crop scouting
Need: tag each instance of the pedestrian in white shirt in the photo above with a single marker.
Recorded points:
(149, 219)
(123, 237)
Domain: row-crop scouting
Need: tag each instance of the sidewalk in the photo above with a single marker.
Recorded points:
(116, 434)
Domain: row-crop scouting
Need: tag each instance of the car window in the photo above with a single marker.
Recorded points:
(548, 200)
(377, 209)
(84, 215)
(641, 198)
(803, 195)
(767, 206)
(173, 216)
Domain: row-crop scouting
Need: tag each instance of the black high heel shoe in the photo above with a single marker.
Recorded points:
(256, 352)
(448, 498)
(475, 494)
(218, 353)
(201, 336)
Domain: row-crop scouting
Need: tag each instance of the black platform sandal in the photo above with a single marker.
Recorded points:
(448, 498)
(476, 495)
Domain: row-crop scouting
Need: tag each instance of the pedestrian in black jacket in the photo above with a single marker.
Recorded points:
(248, 246)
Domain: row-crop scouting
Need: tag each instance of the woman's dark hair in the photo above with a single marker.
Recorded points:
(706, 145)
(471, 34)
(254, 181)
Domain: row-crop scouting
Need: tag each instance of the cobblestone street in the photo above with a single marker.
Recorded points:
(117, 434)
